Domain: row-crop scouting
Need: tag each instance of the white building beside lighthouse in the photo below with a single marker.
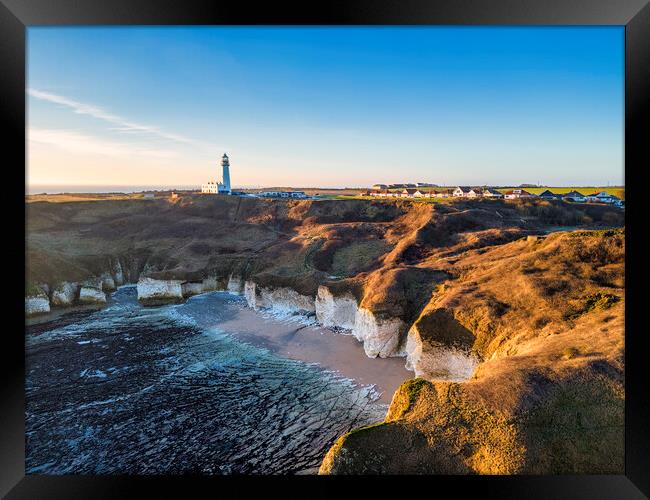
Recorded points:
(220, 187)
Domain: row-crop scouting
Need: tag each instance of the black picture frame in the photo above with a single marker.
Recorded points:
(17, 15)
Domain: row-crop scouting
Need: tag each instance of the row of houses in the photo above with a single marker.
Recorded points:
(379, 187)
(578, 197)
(460, 191)
(410, 193)
(470, 192)
(475, 192)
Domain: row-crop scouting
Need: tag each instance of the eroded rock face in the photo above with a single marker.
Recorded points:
(380, 337)
(65, 294)
(335, 311)
(91, 292)
(286, 300)
(191, 288)
(439, 347)
(250, 294)
(235, 284)
(436, 361)
(108, 282)
(36, 305)
(157, 292)
(282, 300)
(210, 284)
(118, 273)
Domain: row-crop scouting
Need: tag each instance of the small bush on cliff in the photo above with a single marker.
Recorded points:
(570, 352)
(33, 290)
(595, 301)
(406, 396)
(413, 388)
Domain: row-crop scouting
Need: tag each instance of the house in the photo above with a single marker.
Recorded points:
(442, 193)
(602, 197)
(149, 196)
(424, 184)
(518, 193)
(379, 186)
(550, 195)
(492, 193)
(424, 193)
(409, 193)
(574, 196)
(462, 191)
(475, 193)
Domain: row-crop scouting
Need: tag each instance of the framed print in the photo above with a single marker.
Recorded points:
(375, 244)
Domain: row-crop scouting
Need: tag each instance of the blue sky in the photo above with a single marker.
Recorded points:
(329, 107)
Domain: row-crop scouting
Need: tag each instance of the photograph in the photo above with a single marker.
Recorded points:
(325, 250)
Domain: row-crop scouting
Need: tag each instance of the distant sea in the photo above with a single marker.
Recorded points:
(57, 189)
(79, 188)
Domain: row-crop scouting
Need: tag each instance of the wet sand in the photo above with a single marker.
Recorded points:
(340, 353)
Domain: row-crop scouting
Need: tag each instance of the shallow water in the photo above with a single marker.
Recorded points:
(165, 390)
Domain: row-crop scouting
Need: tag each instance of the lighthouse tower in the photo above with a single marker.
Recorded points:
(224, 186)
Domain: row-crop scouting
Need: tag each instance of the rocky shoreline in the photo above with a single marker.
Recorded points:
(380, 337)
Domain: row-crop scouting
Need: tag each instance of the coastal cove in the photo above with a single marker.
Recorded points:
(254, 393)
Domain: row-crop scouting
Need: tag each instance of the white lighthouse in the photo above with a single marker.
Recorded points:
(225, 175)
(220, 187)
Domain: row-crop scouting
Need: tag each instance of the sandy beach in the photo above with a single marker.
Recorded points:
(340, 353)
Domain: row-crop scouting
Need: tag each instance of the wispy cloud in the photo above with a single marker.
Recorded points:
(78, 143)
(121, 124)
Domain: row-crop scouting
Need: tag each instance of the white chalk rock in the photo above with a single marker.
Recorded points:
(91, 292)
(36, 305)
(380, 337)
(436, 361)
(286, 300)
(64, 294)
(334, 311)
(210, 284)
(118, 273)
(155, 292)
(235, 284)
(190, 288)
(108, 282)
(281, 300)
(250, 294)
